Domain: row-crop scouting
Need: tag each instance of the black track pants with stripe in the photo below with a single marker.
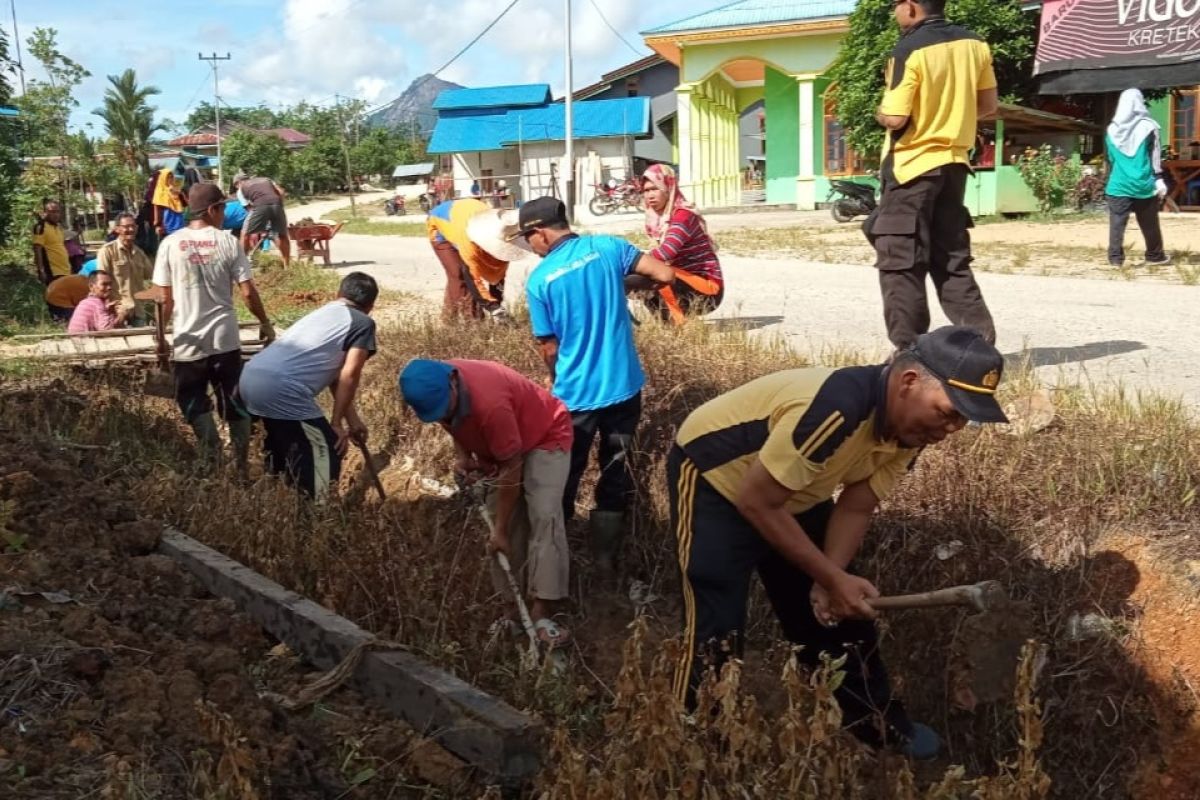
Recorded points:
(304, 452)
(718, 553)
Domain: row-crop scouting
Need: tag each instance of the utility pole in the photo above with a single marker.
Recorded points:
(570, 124)
(346, 153)
(212, 60)
(17, 40)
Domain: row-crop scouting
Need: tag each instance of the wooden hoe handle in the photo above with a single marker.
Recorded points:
(980, 596)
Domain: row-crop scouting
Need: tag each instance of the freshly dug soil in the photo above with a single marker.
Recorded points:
(120, 677)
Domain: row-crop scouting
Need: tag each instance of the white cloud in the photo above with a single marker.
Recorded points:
(292, 50)
(326, 47)
(370, 88)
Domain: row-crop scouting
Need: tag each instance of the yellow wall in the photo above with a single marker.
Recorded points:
(793, 55)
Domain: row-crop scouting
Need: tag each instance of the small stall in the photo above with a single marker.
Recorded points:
(996, 187)
(1184, 172)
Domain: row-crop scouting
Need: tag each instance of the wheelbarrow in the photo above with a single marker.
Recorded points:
(312, 239)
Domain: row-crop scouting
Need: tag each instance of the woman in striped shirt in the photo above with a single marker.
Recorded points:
(683, 242)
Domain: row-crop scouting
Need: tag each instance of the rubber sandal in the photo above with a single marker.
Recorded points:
(551, 634)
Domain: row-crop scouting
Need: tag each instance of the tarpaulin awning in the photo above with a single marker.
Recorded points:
(1090, 46)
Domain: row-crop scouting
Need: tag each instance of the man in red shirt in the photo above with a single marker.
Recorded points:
(519, 435)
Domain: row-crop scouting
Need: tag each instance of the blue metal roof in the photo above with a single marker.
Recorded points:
(464, 132)
(745, 13)
(529, 94)
(594, 119)
(9, 111)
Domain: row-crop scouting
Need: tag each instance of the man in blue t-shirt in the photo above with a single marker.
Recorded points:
(578, 312)
(235, 214)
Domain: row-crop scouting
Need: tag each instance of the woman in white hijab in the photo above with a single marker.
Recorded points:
(1135, 182)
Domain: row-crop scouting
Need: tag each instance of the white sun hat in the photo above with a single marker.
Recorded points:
(490, 230)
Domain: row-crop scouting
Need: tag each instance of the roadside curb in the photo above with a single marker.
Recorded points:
(484, 731)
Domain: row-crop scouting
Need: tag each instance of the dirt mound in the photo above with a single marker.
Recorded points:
(119, 675)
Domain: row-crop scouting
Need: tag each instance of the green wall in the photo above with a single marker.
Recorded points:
(1160, 109)
(782, 107)
(819, 87)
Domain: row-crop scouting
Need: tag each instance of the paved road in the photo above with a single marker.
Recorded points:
(1142, 334)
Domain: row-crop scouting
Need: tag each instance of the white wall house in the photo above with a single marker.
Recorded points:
(515, 134)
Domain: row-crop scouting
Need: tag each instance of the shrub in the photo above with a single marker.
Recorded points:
(1050, 176)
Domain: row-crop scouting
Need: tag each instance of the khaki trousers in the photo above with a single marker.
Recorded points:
(538, 550)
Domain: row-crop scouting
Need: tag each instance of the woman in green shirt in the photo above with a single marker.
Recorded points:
(1135, 178)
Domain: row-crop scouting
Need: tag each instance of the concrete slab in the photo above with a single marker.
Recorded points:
(482, 730)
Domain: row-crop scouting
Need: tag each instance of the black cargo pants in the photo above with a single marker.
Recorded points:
(719, 551)
(921, 229)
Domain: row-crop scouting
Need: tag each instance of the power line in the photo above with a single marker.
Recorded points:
(212, 60)
(456, 57)
(434, 74)
(616, 32)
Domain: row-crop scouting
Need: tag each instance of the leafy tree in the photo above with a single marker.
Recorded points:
(256, 153)
(129, 118)
(378, 152)
(258, 117)
(9, 169)
(6, 67)
(858, 69)
(319, 167)
(47, 105)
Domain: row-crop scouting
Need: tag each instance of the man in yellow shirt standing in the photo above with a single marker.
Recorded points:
(49, 247)
(940, 83)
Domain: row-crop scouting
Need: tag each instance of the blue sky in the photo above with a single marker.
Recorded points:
(287, 50)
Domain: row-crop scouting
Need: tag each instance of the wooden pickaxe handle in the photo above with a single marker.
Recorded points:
(979, 596)
(369, 465)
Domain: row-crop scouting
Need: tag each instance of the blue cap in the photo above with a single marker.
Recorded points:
(425, 385)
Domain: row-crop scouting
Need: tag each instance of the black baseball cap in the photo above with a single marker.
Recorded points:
(541, 212)
(968, 367)
(204, 196)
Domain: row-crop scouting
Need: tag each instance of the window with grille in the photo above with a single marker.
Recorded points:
(1185, 127)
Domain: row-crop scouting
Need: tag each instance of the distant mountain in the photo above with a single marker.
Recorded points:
(415, 105)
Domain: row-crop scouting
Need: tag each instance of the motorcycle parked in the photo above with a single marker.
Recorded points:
(614, 195)
(395, 206)
(853, 200)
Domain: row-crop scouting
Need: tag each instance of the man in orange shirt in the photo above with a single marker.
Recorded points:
(469, 239)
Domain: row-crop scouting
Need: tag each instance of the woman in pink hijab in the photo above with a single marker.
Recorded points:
(682, 241)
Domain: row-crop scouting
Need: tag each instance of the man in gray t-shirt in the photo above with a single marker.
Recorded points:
(326, 349)
(263, 199)
(196, 268)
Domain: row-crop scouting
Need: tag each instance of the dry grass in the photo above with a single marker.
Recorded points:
(1032, 512)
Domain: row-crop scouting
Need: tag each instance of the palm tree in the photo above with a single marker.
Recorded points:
(129, 118)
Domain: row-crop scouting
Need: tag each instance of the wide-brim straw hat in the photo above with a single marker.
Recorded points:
(490, 230)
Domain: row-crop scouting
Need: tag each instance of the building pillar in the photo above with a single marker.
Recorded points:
(806, 179)
(685, 130)
(704, 142)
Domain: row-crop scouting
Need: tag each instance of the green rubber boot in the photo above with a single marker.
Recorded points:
(206, 435)
(607, 529)
(239, 434)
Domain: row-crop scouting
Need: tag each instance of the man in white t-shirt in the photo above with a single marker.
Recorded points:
(197, 267)
(327, 349)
